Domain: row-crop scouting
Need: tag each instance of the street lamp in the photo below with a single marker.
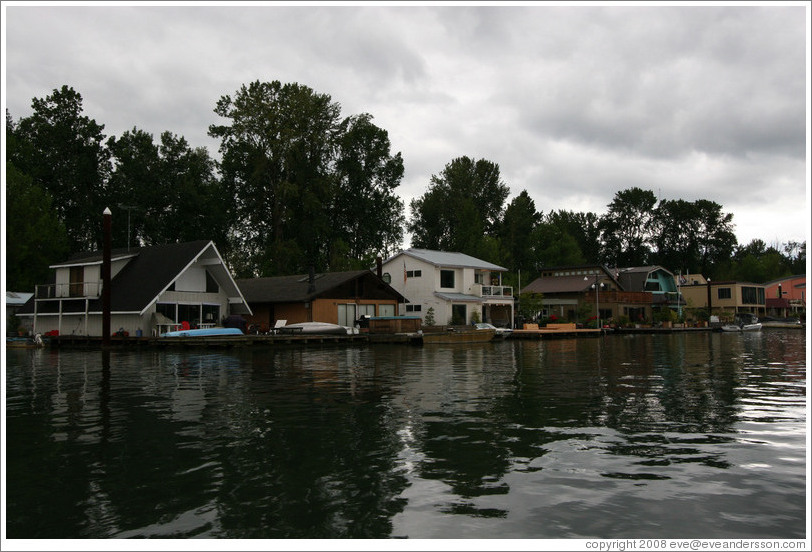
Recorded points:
(597, 303)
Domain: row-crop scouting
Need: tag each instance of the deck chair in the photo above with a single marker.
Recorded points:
(279, 324)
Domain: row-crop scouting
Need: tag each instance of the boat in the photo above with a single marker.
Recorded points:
(321, 328)
(459, 336)
(204, 332)
(743, 322)
(34, 342)
(501, 333)
(785, 323)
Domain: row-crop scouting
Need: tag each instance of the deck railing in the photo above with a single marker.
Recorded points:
(493, 291)
(67, 291)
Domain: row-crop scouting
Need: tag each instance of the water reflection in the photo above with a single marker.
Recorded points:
(684, 435)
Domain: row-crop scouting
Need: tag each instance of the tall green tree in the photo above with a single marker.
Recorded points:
(288, 159)
(367, 214)
(715, 236)
(582, 227)
(626, 229)
(518, 223)
(276, 151)
(165, 192)
(35, 237)
(695, 236)
(554, 246)
(63, 152)
(461, 209)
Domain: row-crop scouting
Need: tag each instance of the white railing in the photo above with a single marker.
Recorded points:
(492, 291)
(66, 291)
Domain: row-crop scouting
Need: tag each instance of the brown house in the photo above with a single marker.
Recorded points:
(567, 289)
(335, 297)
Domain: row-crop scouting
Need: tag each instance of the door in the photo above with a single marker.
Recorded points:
(347, 314)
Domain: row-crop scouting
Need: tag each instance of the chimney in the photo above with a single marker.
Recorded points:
(311, 280)
(379, 265)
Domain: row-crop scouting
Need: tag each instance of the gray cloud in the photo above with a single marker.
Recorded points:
(574, 103)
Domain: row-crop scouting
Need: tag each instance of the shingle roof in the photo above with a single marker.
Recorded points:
(559, 284)
(296, 288)
(449, 259)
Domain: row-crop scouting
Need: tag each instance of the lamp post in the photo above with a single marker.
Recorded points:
(597, 302)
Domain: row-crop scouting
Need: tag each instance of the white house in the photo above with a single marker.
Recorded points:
(151, 288)
(455, 285)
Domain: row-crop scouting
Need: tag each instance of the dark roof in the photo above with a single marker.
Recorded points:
(296, 288)
(574, 283)
(634, 278)
(144, 277)
(559, 284)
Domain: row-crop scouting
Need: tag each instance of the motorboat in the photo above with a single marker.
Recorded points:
(204, 332)
(743, 322)
(459, 336)
(317, 328)
(501, 333)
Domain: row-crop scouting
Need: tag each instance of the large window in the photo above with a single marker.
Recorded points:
(189, 313)
(446, 278)
(167, 309)
(752, 296)
(723, 293)
(211, 314)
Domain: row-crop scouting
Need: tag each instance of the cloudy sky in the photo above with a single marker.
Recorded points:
(574, 103)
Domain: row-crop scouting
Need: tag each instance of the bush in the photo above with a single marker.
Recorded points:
(429, 320)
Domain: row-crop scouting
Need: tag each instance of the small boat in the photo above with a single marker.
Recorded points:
(459, 336)
(785, 323)
(34, 342)
(204, 332)
(501, 333)
(743, 322)
(321, 328)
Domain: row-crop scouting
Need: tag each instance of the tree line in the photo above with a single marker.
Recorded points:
(298, 185)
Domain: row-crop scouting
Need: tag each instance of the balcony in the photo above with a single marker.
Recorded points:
(80, 290)
(495, 292)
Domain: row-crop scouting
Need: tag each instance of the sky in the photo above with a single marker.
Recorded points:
(574, 102)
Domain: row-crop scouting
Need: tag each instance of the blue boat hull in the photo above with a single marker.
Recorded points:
(204, 332)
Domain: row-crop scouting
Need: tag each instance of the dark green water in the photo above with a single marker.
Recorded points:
(696, 435)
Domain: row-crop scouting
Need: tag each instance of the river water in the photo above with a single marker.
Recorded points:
(694, 435)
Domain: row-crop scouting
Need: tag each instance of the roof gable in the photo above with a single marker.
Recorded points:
(150, 271)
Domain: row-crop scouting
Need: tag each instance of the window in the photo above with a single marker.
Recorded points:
(347, 315)
(167, 309)
(479, 278)
(723, 293)
(211, 284)
(77, 281)
(386, 310)
(414, 273)
(211, 314)
(368, 310)
(414, 308)
(189, 313)
(446, 278)
(653, 285)
(753, 296)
